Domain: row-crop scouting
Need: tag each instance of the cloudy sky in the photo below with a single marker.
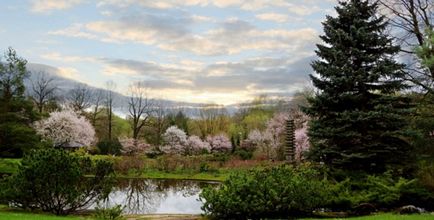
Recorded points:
(204, 51)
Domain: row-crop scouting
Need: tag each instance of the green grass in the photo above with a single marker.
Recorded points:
(9, 165)
(155, 174)
(6, 215)
(388, 216)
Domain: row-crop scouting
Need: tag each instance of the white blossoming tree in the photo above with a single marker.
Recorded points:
(255, 140)
(66, 129)
(219, 143)
(301, 142)
(176, 141)
(274, 135)
(197, 145)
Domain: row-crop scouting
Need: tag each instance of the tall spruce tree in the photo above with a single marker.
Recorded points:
(357, 115)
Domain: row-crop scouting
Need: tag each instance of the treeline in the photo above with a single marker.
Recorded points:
(38, 117)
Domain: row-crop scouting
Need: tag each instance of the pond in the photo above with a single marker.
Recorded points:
(151, 196)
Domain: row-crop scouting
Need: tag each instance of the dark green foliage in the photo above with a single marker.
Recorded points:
(422, 123)
(180, 120)
(54, 180)
(244, 154)
(384, 192)
(16, 111)
(114, 213)
(109, 147)
(278, 192)
(16, 138)
(426, 51)
(357, 118)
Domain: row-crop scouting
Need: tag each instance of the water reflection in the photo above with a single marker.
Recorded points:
(146, 196)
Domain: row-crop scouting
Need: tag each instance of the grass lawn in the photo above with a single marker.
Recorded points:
(389, 216)
(220, 175)
(30, 216)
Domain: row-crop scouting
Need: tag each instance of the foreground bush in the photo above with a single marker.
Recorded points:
(54, 181)
(384, 192)
(277, 192)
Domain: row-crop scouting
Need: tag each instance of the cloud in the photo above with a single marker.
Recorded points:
(280, 18)
(174, 33)
(75, 30)
(303, 10)
(248, 78)
(300, 8)
(44, 6)
(54, 56)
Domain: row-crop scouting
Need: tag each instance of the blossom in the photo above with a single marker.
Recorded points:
(175, 139)
(219, 143)
(66, 129)
(130, 146)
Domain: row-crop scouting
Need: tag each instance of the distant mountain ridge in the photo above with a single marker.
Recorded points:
(65, 85)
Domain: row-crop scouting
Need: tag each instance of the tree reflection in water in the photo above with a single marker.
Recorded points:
(144, 196)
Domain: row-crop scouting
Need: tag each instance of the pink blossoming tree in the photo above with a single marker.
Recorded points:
(131, 146)
(219, 143)
(197, 145)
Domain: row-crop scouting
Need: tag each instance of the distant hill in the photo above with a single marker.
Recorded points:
(65, 85)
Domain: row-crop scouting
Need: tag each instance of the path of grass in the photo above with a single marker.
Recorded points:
(387, 216)
(11, 165)
(15, 215)
(30, 216)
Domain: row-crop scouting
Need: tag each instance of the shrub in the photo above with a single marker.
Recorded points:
(54, 180)
(112, 147)
(244, 154)
(129, 165)
(277, 192)
(382, 191)
(426, 175)
(114, 213)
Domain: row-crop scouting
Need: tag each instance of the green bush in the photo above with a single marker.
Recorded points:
(54, 180)
(385, 192)
(112, 147)
(277, 192)
(114, 213)
(244, 154)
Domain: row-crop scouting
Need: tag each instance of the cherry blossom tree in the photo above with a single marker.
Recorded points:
(272, 139)
(219, 143)
(275, 134)
(255, 140)
(197, 145)
(301, 142)
(175, 139)
(131, 146)
(66, 129)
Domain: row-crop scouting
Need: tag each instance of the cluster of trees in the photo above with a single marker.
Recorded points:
(361, 115)
(371, 122)
(36, 116)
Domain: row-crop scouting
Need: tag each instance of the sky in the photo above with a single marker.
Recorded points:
(201, 51)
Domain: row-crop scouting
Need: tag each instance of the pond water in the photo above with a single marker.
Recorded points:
(150, 196)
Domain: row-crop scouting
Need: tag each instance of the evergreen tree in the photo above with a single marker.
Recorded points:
(357, 116)
(16, 111)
